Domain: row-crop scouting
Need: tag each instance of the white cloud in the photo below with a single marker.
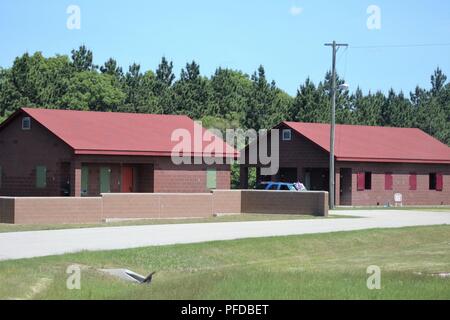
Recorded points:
(295, 11)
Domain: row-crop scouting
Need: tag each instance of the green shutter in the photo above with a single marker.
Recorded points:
(41, 177)
(105, 175)
(84, 180)
(211, 178)
(0, 176)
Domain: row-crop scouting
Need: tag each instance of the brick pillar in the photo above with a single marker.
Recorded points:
(243, 176)
(75, 179)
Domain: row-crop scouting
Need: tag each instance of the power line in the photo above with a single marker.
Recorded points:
(402, 46)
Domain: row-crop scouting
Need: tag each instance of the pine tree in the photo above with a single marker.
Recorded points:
(164, 73)
(311, 103)
(82, 59)
(110, 67)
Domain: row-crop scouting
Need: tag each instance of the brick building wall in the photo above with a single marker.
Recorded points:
(23, 150)
(302, 154)
(169, 177)
(298, 153)
(400, 174)
(154, 174)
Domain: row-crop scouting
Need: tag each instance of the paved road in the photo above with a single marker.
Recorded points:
(19, 245)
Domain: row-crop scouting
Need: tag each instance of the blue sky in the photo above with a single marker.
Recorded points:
(285, 36)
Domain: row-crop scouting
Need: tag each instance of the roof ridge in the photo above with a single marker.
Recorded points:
(350, 125)
(104, 112)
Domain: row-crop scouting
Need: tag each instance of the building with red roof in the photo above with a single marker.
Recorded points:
(47, 152)
(372, 164)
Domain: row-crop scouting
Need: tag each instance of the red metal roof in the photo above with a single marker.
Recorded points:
(114, 133)
(376, 144)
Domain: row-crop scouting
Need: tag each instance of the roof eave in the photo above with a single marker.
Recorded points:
(147, 153)
(393, 160)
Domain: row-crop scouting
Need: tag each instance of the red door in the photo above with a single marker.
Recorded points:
(127, 179)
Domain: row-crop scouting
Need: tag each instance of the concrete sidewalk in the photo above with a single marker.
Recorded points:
(28, 244)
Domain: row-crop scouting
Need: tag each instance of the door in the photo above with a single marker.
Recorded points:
(84, 180)
(127, 179)
(345, 192)
(105, 180)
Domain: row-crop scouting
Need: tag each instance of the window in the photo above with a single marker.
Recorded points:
(436, 181)
(287, 135)
(0, 176)
(211, 178)
(26, 123)
(388, 181)
(41, 177)
(364, 181)
(432, 181)
(368, 181)
(413, 181)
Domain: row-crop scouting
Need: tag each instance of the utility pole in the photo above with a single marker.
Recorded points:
(331, 174)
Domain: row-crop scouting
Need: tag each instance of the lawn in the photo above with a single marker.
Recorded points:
(321, 266)
(226, 218)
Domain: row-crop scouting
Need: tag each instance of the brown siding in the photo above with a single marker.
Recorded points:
(299, 153)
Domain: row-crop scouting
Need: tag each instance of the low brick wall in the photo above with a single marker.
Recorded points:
(7, 210)
(49, 210)
(227, 201)
(136, 205)
(282, 202)
(156, 205)
(34, 210)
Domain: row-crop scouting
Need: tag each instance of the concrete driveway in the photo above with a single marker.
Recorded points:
(28, 244)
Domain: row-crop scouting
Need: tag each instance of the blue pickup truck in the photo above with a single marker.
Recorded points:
(270, 185)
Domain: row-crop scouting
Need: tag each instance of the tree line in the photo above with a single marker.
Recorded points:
(226, 99)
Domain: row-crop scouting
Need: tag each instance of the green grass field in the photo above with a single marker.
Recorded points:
(227, 218)
(323, 266)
